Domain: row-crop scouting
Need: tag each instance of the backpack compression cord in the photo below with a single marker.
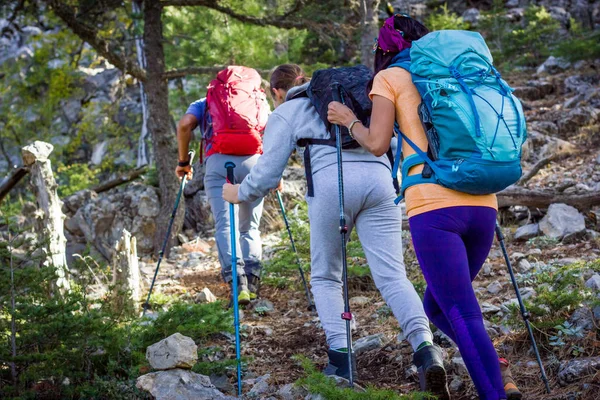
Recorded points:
(346, 315)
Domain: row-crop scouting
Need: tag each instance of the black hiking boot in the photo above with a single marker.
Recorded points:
(338, 365)
(432, 375)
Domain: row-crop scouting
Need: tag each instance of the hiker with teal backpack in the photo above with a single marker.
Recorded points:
(461, 131)
(231, 119)
(368, 204)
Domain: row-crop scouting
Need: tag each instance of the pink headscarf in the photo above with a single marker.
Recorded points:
(390, 39)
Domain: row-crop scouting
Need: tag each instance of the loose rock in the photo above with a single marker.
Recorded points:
(562, 220)
(205, 296)
(593, 283)
(494, 287)
(574, 370)
(179, 384)
(358, 301)
(459, 366)
(176, 351)
(264, 306)
(527, 232)
(369, 343)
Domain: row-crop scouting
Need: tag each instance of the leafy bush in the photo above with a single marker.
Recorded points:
(73, 178)
(533, 43)
(75, 345)
(317, 383)
(526, 44)
(581, 44)
(559, 292)
(445, 19)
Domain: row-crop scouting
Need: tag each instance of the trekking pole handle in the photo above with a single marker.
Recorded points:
(229, 166)
(335, 92)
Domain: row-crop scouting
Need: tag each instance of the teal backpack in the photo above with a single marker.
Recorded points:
(475, 126)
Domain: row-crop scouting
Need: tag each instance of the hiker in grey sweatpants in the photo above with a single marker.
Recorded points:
(369, 206)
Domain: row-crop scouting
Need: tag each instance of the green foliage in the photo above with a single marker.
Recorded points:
(559, 292)
(317, 383)
(543, 242)
(444, 19)
(525, 44)
(198, 321)
(76, 337)
(74, 177)
(581, 45)
(532, 44)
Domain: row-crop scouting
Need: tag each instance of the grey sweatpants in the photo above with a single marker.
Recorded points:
(249, 245)
(369, 205)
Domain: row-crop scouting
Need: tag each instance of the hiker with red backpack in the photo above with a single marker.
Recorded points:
(231, 119)
(461, 131)
(368, 205)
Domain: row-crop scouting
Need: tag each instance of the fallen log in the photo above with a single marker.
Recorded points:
(124, 178)
(517, 196)
(12, 181)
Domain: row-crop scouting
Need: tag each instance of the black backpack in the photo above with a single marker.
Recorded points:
(353, 82)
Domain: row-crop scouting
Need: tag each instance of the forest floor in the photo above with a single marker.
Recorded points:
(270, 340)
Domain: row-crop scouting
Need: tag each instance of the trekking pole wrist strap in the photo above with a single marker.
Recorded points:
(183, 163)
(351, 125)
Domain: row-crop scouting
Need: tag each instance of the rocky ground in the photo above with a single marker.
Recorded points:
(278, 326)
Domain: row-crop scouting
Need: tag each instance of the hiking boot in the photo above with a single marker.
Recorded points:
(243, 292)
(338, 365)
(511, 389)
(253, 286)
(432, 375)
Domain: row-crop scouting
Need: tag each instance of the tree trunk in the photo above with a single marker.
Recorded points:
(370, 28)
(51, 224)
(142, 156)
(163, 141)
(126, 274)
(517, 196)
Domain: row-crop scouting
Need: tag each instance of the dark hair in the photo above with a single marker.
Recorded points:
(413, 30)
(287, 76)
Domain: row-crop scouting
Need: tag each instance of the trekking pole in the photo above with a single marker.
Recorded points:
(229, 166)
(146, 305)
(346, 315)
(311, 305)
(524, 313)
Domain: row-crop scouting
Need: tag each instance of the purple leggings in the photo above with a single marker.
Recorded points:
(451, 245)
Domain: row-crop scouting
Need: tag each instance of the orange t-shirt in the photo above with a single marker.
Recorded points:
(395, 84)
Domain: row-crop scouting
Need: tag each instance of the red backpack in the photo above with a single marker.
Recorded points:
(239, 110)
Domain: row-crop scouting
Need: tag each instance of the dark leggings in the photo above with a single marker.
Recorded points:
(451, 245)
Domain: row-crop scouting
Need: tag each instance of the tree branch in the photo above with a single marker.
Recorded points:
(279, 21)
(89, 34)
(182, 72)
(541, 164)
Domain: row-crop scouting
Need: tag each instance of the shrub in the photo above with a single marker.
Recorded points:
(581, 44)
(445, 19)
(319, 384)
(79, 339)
(559, 292)
(73, 178)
